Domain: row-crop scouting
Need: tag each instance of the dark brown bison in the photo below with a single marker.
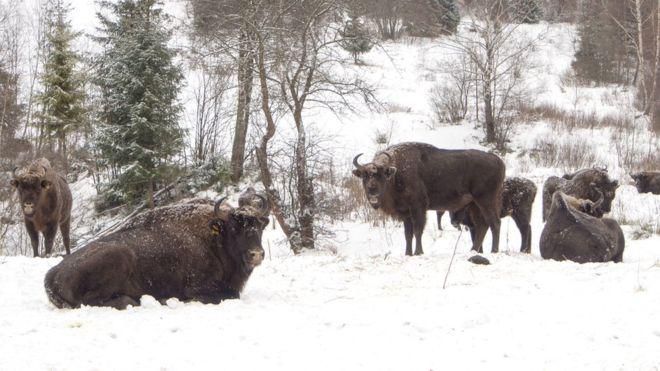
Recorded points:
(517, 199)
(586, 184)
(45, 199)
(647, 182)
(191, 251)
(407, 179)
(570, 234)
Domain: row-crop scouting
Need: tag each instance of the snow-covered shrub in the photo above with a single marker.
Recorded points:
(567, 153)
(448, 104)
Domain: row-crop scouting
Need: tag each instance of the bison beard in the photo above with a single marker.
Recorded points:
(407, 179)
(46, 203)
(191, 251)
(570, 234)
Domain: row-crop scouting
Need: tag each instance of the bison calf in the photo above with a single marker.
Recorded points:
(517, 199)
(192, 251)
(647, 182)
(570, 234)
(407, 179)
(46, 200)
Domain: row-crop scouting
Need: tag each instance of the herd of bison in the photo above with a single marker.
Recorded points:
(205, 251)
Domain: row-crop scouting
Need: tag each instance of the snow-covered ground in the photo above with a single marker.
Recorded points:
(358, 302)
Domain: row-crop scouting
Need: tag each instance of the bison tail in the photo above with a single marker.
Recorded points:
(52, 290)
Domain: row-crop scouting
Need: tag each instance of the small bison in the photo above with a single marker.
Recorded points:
(570, 234)
(46, 201)
(192, 251)
(647, 182)
(586, 184)
(407, 179)
(517, 199)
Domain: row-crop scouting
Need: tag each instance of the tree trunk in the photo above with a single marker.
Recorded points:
(245, 65)
(305, 189)
(640, 54)
(150, 194)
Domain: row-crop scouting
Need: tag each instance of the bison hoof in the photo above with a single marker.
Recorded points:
(478, 259)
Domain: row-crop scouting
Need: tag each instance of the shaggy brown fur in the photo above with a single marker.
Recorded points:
(407, 179)
(584, 184)
(46, 203)
(570, 234)
(186, 251)
(647, 182)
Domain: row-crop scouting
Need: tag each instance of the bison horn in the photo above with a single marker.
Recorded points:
(389, 157)
(355, 161)
(14, 172)
(600, 200)
(220, 213)
(264, 205)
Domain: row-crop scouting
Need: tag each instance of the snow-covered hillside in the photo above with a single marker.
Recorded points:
(358, 302)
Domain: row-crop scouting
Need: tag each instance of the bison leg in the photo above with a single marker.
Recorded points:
(419, 222)
(34, 237)
(525, 232)
(65, 228)
(439, 215)
(478, 232)
(49, 238)
(491, 217)
(408, 230)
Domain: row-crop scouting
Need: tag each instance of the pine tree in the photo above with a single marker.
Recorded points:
(10, 112)
(139, 135)
(448, 15)
(62, 97)
(355, 38)
(528, 11)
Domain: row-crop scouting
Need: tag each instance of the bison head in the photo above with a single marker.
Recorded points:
(375, 177)
(32, 184)
(239, 230)
(604, 192)
(641, 181)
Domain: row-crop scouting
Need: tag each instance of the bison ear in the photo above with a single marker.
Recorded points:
(390, 171)
(615, 184)
(14, 183)
(358, 173)
(45, 184)
(216, 227)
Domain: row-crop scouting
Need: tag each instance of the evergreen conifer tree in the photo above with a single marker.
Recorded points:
(139, 81)
(448, 15)
(355, 38)
(62, 97)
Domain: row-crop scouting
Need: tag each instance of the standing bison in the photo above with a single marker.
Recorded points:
(517, 199)
(407, 179)
(570, 234)
(586, 184)
(647, 182)
(191, 251)
(45, 199)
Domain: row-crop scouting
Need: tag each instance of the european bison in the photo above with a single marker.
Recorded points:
(46, 200)
(573, 235)
(407, 179)
(587, 184)
(191, 251)
(647, 182)
(517, 199)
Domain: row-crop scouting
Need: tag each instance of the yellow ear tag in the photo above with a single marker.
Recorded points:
(215, 229)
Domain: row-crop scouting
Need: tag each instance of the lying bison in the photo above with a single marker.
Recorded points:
(647, 182)
(570, 234)
(587, 184)
(45, 199)
(517, 199)
(407, 179)
(192, 251)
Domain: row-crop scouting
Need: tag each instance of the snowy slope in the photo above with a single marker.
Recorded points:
(358, 303)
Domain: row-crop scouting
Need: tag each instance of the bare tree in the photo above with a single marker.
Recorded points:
(497, 50)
